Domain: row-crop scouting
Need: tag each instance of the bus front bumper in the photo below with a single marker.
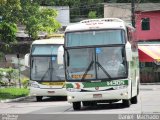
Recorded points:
(47, 91)
(98, 96)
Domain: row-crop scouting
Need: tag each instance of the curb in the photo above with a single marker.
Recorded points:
(151, 86)
(158, 83)
(14, 100)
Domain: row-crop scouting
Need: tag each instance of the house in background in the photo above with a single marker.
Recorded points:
(147, 23)
(63, 14)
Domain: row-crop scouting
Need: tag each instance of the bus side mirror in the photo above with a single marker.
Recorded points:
(27, 60)
(60, 55)
(128, 52)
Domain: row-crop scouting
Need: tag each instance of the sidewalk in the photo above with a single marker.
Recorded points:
(14, 100)
(150, 86)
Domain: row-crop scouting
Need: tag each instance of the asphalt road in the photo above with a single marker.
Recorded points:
(148, 102)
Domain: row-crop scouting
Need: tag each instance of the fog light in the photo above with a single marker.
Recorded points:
(126, 93)
(70, 97)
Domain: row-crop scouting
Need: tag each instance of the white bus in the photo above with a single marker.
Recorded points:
(101, 62)
(46, 74)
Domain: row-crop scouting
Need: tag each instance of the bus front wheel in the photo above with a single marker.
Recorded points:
(76, 105)
(126, 103)
(134, 100)
(39, 98)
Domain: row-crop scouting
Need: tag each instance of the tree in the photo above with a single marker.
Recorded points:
(48, 21)
(8, 33)
(45, 2)
(9, 73)
(9, 10)
(36, 19)
(92, 14)
(2, 2)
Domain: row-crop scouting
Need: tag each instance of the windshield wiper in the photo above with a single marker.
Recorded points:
(49, 67)
(45, 74)
(103, 69)
(89, 67)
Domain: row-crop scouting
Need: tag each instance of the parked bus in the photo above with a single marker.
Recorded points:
(101, 62)
(46, 74)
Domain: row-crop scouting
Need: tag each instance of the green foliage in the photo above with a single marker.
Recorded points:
(11, 93)
(2, 2)
(8, 33)
(1, 56)
(25, 82)
(9, 9)
(45, 2)
(2, 83)
(49, 23)
(92, 14)
(9, 73)
(38, 19)
(28, 13)
(32, 27)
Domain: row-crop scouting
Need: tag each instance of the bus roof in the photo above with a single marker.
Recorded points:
(104, 23)
(57, 40)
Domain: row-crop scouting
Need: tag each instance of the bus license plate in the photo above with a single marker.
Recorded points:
(97, 95)
(51, 92)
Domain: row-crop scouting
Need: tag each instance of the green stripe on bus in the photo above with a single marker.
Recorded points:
(100, 84)
(105, 84)
(69, 85)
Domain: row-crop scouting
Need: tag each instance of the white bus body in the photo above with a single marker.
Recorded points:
(46, 72)
(91, 76)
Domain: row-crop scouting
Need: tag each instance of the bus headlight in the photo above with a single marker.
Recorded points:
(34, 84)
(70, 97)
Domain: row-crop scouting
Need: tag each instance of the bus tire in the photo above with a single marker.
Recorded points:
(76, 105)
(126, 103)
(89, 103)
(138, 89)
(134, 100)
(39, 98)
(85, 103)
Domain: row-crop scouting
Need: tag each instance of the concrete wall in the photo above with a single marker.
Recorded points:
(63, 14)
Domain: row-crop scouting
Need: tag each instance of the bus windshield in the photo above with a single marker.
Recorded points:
(98, 63)
(99, 37)
(44, 66)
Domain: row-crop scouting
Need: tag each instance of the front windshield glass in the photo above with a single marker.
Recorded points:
(44, 65)
(96, 63)
(100, 37)
(45, 49)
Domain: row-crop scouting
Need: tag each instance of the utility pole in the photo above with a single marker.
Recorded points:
(19, 74)
(133, 12)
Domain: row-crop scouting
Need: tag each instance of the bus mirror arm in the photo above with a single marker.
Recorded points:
(68, 59)
(60, 55)
(128, 52)
(27, 60)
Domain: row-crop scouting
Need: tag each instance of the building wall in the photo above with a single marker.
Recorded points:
(111, 11)
(63, 14)
(154, 32)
